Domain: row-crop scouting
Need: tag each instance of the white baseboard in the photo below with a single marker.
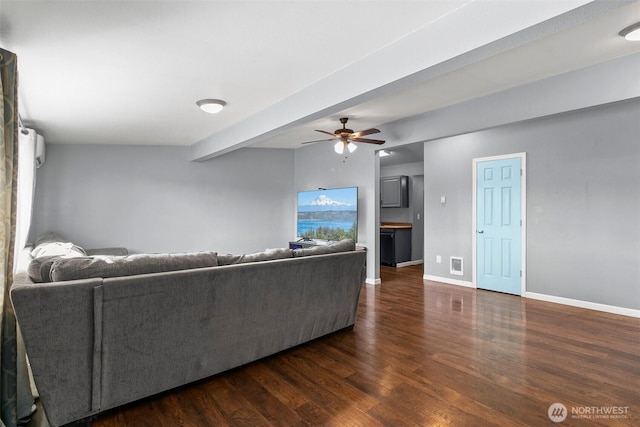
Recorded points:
(585, 304)
(372, 282)
(448, 281)
(550, 298)
(408, 263)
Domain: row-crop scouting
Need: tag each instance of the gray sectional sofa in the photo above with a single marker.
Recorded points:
(102, 329)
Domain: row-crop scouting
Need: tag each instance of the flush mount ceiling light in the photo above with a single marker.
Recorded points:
(385, 153)
(632, 32)
(211, 106)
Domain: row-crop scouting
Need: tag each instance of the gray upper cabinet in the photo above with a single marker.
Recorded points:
(394, 192)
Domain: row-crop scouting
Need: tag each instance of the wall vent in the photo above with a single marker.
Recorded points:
(456, 266)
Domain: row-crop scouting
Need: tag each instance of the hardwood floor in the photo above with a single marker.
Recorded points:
(422, 354)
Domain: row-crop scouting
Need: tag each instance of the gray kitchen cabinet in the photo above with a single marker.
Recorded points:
(394, 192)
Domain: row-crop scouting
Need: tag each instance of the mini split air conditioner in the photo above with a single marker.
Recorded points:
(40, 151)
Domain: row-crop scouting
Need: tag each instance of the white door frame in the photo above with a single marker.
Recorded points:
(523, 229)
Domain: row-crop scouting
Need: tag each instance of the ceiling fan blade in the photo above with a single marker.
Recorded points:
(367, 140)
(365, 132)
(328, 133)
(319, 140)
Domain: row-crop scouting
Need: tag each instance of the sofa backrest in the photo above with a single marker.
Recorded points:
(95, 344)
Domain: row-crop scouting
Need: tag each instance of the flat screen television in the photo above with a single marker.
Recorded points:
(328, 214)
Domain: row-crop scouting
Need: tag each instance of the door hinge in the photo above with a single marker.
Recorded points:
(520, 273)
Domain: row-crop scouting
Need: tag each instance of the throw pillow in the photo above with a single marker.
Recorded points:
(56, 249)
(48, 237)
(44, 256)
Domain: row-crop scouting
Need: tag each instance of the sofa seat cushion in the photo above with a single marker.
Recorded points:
(115, 266)
(345, 245)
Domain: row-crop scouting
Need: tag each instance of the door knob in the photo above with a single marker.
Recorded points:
(480, 231)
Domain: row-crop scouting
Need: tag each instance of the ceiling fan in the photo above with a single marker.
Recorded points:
(346, 137)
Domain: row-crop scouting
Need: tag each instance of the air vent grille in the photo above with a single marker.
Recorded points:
(456, 266)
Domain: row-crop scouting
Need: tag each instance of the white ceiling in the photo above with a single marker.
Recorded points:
(130, 72)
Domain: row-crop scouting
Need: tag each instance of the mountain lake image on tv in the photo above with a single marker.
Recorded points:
(330, 214)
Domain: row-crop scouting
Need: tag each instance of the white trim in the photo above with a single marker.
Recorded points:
(523, 207)
(408, 263)
(448, 281)
(585, 304)
(372, 282)
(451, 270)
(622, 311)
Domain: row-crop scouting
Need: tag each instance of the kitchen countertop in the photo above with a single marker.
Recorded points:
(396, 225)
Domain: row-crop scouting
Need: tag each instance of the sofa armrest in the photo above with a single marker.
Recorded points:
(61, 325)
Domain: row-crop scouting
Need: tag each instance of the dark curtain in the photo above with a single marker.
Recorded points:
(8, 195)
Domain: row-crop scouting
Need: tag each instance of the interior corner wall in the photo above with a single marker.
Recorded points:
(583, 201)
(153, 199)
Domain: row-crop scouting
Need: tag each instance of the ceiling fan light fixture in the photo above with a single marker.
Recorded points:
(347, 138)
(631, 33)
(211, 106)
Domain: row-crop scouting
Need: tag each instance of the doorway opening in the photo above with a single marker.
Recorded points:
(404, 161)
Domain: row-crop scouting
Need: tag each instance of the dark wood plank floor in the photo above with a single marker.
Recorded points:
(423, 354)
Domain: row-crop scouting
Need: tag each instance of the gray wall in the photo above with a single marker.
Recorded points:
(583, 210)
(417, 232)
(600, 84)
(317, 165)
(153, 199)
(583, 195)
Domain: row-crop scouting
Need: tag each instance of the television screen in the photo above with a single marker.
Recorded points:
(330, 214)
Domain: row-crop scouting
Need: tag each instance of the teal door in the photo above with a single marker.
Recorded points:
(498, 225)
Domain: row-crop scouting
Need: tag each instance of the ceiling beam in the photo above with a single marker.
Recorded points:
(438, 47)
